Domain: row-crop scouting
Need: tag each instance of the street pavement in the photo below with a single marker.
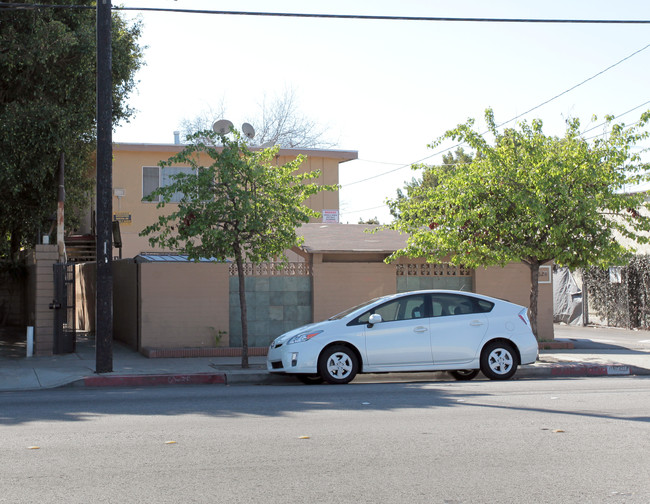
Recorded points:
(595, 351)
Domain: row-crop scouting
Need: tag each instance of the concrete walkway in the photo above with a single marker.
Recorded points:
(596, 352)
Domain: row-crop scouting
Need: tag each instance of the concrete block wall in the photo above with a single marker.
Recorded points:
(274, 305)
(187, 304)
(411, 283)
(183, 304)
(338, 286)
(512, 282)
(41, 271)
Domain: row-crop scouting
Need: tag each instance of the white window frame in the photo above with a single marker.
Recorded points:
(159, 182)
(161, 178)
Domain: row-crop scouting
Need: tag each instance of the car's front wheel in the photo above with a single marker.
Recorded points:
(499, 360)
(338, 365)
(464, 374)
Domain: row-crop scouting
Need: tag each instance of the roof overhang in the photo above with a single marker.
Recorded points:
(341, 155)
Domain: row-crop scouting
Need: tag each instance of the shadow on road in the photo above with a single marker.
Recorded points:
(68, 405)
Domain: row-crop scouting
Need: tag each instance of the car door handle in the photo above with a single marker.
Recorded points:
(476, 323)
(420, 329)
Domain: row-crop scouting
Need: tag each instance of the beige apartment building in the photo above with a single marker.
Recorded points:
(136, 173)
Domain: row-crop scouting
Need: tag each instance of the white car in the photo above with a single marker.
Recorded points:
(434, 330)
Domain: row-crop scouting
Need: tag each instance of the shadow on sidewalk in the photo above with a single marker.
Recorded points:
(582, 344)
(13, 342)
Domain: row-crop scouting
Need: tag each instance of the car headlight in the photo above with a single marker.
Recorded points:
(302, 337)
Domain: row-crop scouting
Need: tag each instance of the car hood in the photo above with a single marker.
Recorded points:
(317, 326)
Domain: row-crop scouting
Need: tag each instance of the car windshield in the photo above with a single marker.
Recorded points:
(344, 313)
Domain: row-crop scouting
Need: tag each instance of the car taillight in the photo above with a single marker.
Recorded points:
(523, 316)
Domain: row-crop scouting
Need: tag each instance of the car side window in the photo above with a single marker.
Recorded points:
(406, 308)
(456, 304)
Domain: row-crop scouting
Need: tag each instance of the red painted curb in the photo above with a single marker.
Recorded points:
(555, 345)
(153, 380)
(590, 370)
(578, 370)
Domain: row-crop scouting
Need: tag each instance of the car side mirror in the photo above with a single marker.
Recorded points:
(375, 318)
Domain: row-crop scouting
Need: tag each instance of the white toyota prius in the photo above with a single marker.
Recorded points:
(433, 330)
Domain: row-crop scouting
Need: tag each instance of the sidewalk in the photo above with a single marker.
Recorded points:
(589, 357)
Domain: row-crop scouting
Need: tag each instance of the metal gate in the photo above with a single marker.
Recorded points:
(64, 308)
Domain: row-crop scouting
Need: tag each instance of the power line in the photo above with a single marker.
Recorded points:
(380, 162)
(457, 145)
(25, 6)
(371, 17)
(513, 119)
(576, 86)
(394, 18)
(619, 115)
(364, 209)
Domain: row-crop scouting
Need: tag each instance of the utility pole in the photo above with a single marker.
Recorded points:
(104, 294)
(60, 214)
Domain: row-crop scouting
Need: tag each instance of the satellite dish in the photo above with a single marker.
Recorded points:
(248, 130)
(222, 126)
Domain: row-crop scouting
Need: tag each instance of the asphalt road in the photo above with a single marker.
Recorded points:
(573, 440)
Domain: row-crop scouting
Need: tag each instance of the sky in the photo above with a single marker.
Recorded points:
(386, 88)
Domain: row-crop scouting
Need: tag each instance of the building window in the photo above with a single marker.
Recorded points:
(154, 177)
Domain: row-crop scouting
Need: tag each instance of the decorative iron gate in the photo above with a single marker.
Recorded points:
(64, 308)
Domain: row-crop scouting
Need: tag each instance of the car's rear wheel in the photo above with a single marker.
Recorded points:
(338, 364)
(308, 379)
(464, 374)
(499, 360)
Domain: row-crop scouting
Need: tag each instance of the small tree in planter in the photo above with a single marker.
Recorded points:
(242, 206)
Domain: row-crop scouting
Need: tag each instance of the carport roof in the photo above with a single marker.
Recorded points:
(164, 257)
(349, 238)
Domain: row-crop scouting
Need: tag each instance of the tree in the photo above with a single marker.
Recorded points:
(279, 122)
(532, 198)
(241, 206)
(47, 106)
(430, 177)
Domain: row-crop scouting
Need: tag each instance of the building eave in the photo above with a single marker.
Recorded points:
(341, 155)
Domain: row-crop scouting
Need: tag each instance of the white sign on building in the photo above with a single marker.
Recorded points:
(331, 216)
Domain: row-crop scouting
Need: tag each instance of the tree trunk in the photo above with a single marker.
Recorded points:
(242, 306)
(14, 245)
(534, 295)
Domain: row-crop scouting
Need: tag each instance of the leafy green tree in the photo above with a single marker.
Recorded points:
(532, 198)
(241, 206)
(47, 106)
(430, 175)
